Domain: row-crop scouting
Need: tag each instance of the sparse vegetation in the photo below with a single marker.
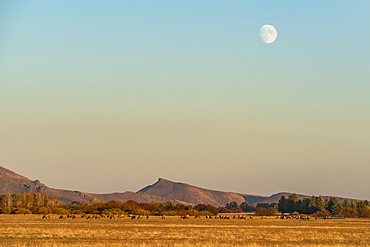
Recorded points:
(28, 203)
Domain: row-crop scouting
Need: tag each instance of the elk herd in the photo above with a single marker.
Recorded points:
(221, 216)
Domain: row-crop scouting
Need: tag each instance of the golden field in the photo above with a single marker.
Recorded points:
(31, 230)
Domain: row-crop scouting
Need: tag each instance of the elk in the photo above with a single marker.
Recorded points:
(93, 216)
(62, 217)
(304, 217)
(163, 217)
(46, 216)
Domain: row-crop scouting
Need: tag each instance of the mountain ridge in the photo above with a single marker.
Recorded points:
(162, 190)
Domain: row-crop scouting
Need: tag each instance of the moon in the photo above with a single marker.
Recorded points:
(268, 34)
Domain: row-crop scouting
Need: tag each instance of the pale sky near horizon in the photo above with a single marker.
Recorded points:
(106, 96)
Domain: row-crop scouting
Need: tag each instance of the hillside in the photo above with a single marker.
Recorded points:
(191, 194)
(163, 190)
(11, 182)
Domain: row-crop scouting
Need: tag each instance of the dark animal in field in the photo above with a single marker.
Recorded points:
(263, 217)
(304, 217)
(46, 216)
(62, 217)
(133, 217)
(251, 217)
(93, 216)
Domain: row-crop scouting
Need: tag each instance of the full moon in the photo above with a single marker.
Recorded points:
(268, 34)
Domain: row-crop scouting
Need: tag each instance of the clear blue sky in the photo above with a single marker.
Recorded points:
(129, 91)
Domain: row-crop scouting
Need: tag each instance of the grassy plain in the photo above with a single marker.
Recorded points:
(31, 230)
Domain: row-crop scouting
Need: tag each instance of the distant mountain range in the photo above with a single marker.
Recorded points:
(163, 190)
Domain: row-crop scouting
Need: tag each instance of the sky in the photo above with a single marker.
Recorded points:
(109, 96)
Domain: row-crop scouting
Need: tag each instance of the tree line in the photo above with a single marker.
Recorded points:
(39, 203)
(324, 207)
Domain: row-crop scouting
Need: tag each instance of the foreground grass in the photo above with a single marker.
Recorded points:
(31, 230)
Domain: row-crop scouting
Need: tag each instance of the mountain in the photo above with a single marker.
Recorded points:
(190, 194)
(14, 183)
(195, 195)
(11, 182)
(163, 190)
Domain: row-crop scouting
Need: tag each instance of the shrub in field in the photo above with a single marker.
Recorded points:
(140, 211)
(22, 211)
(348, 212)
(232, 210)
(6, 210)
(207, 208)
(43, 210)
(204, 213)
(265, 212)
(60, 211)
(364, 212)
(321, 213)
(114, 211)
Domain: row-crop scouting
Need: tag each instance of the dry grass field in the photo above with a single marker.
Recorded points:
(31, 230)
